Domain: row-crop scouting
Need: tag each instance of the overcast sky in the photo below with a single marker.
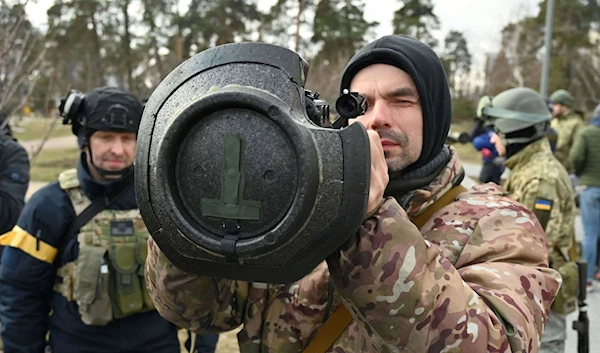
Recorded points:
(480, 20)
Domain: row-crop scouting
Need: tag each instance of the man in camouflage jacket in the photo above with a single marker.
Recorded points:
(541, 183)
(474, 278)
(566, 123)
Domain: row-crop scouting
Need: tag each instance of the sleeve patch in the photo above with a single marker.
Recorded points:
(543, 205)
(542, 210)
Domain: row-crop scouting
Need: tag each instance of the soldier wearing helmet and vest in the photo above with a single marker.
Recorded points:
(73, 264)
(566, 123)
(521, 119)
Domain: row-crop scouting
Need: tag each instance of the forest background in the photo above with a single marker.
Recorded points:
(134, 44)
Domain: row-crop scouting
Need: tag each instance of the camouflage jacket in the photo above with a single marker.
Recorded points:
(566, 127)
(474, 278)
(541, 183)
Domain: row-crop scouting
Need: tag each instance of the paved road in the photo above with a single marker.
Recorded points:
(33, 187)
(53, 143)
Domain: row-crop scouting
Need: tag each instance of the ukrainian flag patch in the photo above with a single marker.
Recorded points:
(543, 205)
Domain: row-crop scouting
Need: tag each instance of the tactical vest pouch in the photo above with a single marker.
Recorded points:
(565, 301)
(107, 278)
(127, 282)
(91, 285)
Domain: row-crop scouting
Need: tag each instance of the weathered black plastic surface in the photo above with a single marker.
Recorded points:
(312, 183)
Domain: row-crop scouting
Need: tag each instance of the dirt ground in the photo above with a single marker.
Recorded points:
(227, 342)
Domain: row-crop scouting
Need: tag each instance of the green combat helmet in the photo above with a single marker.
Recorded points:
(514, 110)
(562, 97)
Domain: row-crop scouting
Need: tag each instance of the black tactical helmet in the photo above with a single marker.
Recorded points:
(515, 110)
(101, 109)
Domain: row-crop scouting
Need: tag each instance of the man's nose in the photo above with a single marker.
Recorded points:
(117, 147)
(379, 117)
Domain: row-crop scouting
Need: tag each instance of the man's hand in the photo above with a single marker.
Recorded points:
(379, 172)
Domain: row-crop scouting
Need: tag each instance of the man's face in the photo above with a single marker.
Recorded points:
(557, 109)
(394, 112)
(112, 151)
(497, 142)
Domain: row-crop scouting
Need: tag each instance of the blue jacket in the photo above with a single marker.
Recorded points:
(14, 178)
(26, 286)
(483, 141)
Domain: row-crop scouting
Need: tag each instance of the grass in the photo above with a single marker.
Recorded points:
(50, 163)
(34, 128)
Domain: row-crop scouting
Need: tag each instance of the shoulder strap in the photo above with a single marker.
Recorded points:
(330, 331)
(96, 207)
(341, 318)
(68, 179)
(443, 201)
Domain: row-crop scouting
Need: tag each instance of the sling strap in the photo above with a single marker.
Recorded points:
(340, 319)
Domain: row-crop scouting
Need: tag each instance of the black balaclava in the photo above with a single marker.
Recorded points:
(425, 68)
(515, 148)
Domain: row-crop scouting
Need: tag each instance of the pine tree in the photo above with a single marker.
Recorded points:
(340, 30)
(416, 19)
(456, 60)
(340, 27)
(289, 24)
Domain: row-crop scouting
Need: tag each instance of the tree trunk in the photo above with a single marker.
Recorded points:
(48, 94)
(301, 5)
(127, 46)
(570, 51)
(159, 63)
(221, 38)
(98, 67)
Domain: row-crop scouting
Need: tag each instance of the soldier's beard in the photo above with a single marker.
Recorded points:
(397, 160)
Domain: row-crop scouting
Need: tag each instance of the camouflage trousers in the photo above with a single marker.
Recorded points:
(555, 333)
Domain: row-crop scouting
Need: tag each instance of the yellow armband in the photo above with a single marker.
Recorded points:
(19, 238)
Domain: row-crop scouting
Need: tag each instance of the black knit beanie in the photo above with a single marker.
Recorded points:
(425, 68)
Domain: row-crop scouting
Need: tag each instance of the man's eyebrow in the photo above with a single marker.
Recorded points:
(402, 92)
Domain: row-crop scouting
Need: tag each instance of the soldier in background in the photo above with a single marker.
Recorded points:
(538, 180)
(14, 177)
(566, 122)
(73, 264)
(585, 156)
(492, 164)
